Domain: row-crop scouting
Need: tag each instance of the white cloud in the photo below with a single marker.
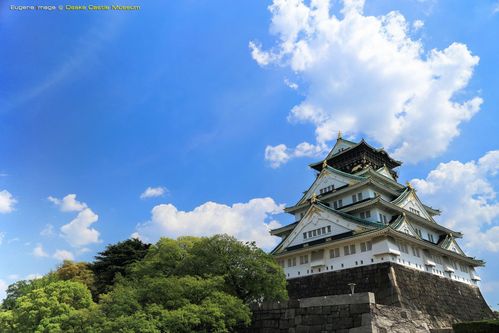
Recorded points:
(152, 192)
(418, 24)
(465, 192)
(38, 251)
(291, 84)
(365, 74)
(68, 203)
(63, 255)
(7, 202)
(280, 154)
(47, 231)
(249, 221)
(495, 8)
(78, 232)
(34, 276)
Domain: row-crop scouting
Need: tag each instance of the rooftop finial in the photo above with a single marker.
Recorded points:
(339, 134)
(324, 164)
(409, 186)
(314, 198)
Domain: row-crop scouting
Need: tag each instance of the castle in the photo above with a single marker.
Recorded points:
(366, 255)
(355, 214)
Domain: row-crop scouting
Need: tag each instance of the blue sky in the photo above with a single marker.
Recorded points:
(104, 105)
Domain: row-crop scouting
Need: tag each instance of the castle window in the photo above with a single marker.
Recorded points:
(415, 252)
(323, 230)
(340, 203)
(352, 249)
(367, 246)
(309, 234)
(304, 235)
(415, 211)
(328, 229)
(314, 233)
(354, 198)
(430, 238)
(382, 218)
(291, 262)
(359, 196)
(402, 247)
(346, 250)
(335, 204)
(304, 259)
(334, 253)
(438, 259)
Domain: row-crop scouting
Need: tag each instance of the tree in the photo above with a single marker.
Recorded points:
(116, 259)
(46, 309)
(172, 304)
(23, 287)
(76, 271)
(249, 273)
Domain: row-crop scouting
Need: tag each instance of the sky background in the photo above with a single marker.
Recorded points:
(200, 117)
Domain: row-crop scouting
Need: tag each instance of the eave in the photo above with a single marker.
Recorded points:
(342, 191)
(385, 231)
(400, 210)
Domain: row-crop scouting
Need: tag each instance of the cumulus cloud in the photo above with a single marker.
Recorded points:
(366, 74)
(280, 154)
(38, 251)
(68, 203)
(78, 232)
(63, 255)
(153, 192)
(465, 192)
(248, 221)
(7, 202)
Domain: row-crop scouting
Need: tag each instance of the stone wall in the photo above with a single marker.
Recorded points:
(336, 314)
(399, 286)
(356, 313)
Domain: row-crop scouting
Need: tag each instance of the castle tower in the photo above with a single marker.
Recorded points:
(356, 216)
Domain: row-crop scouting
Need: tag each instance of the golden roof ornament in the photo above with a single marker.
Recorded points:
(409, 186)
(314, 198)
(324, 164)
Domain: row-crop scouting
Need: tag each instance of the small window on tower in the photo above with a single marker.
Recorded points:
(328, 228)
(352, 249)
(304, 235)
(359, 196)
(346, 250)
(340, 203)
(354, 198)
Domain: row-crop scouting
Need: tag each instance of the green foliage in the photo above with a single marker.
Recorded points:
(185, 285)
(249, 273)
(23, 287)
(115, 259)
(76, 271)
(47, 308)
(485, 326)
